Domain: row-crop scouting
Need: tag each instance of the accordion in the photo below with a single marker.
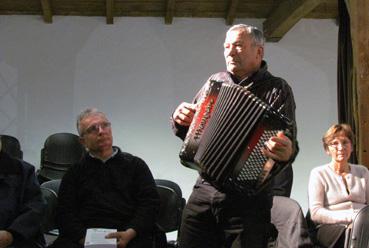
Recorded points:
(226, 135)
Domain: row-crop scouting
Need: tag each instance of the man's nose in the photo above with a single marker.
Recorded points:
(100, 128)
(230, 50)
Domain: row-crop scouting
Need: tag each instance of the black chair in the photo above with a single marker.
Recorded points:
(49, 192)
(51, 199)
(171, 207)
(52, 185)
(60, 151)
(358, 235)
(11, 146)
(312, 227)
(313, 232)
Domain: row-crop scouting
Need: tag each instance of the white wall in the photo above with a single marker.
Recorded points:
(138, 70)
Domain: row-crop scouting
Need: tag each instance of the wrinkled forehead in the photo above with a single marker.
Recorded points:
(93, 118)
(236, 35)
(339, 136)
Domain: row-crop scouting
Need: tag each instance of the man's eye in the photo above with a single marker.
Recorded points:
(92, 128)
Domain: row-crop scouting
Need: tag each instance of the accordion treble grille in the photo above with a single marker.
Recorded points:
(251, 171)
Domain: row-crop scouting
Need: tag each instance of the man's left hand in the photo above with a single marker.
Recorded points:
(122, 237)
(278, 148)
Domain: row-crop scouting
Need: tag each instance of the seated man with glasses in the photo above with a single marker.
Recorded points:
(108, 188)
(338, 189)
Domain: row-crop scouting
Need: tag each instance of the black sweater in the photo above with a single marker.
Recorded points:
(120, 193)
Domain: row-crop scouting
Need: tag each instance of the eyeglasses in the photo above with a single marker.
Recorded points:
(343, 144)
(94, 129)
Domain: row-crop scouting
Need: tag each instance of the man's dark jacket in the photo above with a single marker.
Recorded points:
(21, 203)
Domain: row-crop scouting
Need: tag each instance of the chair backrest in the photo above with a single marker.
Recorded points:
(312, 228)
(11, 146)
(60, 151)
(52, 185)
(50, 190)
(171, 205)
(359, 234)
(51, 199)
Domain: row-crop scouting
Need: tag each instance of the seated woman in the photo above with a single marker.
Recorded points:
(337, 190)
(21, 204)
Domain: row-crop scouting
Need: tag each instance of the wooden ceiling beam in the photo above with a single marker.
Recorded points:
(231, 13)
(169, 11)
(46, 10)
(109, 11)
(286, 15)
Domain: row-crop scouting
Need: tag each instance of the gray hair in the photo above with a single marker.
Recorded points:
(256, 35)
(84, 114)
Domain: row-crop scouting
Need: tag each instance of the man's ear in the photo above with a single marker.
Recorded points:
(82, 140)
(260, 52)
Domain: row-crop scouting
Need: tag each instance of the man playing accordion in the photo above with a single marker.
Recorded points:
(214, 217)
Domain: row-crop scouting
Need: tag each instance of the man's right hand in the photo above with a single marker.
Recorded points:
(6, 238)
(184, 113)
(123, 237)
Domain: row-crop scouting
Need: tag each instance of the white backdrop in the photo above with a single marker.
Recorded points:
(138, 70)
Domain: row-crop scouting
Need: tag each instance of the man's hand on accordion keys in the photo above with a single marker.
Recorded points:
(278, 148)
(184, 113)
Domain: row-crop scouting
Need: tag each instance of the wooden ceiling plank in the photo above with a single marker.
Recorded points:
(109, 11)
(225, 9)
(231, 13)
(169, 11)
(46, 10)
(287, 14)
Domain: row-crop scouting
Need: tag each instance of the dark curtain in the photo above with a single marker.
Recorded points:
(345, 85)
